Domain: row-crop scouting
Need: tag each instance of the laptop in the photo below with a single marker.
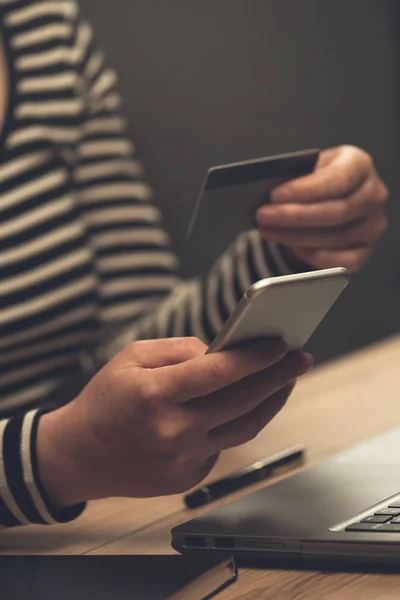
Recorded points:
(345, 508)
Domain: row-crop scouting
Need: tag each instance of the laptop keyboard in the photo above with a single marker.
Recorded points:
(384, 520)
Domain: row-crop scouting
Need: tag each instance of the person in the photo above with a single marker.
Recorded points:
(89, 284)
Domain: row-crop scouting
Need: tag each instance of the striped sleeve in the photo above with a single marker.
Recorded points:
(23, 500)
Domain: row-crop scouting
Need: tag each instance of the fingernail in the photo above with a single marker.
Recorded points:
(281, 194)
(282, 348)
(309, 362)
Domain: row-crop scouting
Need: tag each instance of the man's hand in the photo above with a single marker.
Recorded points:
(154, 420)
(332, 217)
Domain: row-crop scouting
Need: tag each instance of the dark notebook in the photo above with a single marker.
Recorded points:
(114, 577)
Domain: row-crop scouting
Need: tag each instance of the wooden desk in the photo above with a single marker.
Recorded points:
(332, 408)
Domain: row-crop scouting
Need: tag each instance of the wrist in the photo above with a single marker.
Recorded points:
(60, 459)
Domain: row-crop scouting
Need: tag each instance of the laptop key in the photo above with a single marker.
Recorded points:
(362, 527)
(387, 528)
(396, 521)
(395, 512)
(395, 504)
(377, 519)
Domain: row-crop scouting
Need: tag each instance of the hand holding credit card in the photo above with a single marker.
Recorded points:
(231, 194)
(329, 212)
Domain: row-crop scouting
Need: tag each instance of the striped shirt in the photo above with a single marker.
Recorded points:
(85, 264)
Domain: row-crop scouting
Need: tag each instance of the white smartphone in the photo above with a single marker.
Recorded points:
(289, 307)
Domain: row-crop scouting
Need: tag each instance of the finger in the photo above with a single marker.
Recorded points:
(191, 475)
(371, 196)
(352, 259)
(204, 375)
(246, 428)
(151, 354)
(361, 233)
(205, 469)
(340, 177)
(241, 398)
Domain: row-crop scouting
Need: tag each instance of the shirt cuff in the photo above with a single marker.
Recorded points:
(23, 498)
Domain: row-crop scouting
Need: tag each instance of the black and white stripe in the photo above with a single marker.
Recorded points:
(22, 497)
(82, 247)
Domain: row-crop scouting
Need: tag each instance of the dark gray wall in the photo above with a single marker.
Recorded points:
(222, 80)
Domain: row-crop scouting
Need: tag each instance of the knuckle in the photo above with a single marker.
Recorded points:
(172, 444)
(217, 368)
(343, 212)
(192, 346)
(150, 390)
(171, 433)
(134, 352)
(352, 265)
(136, 348)
(197, 344)
(350, 148)
(375, 230)
(345, 182)
(383, 194)
(295, 214)
(356, 260)
(366, 159)
(362, 156)
(383, 225)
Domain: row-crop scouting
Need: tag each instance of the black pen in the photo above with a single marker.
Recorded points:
(258, 471)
